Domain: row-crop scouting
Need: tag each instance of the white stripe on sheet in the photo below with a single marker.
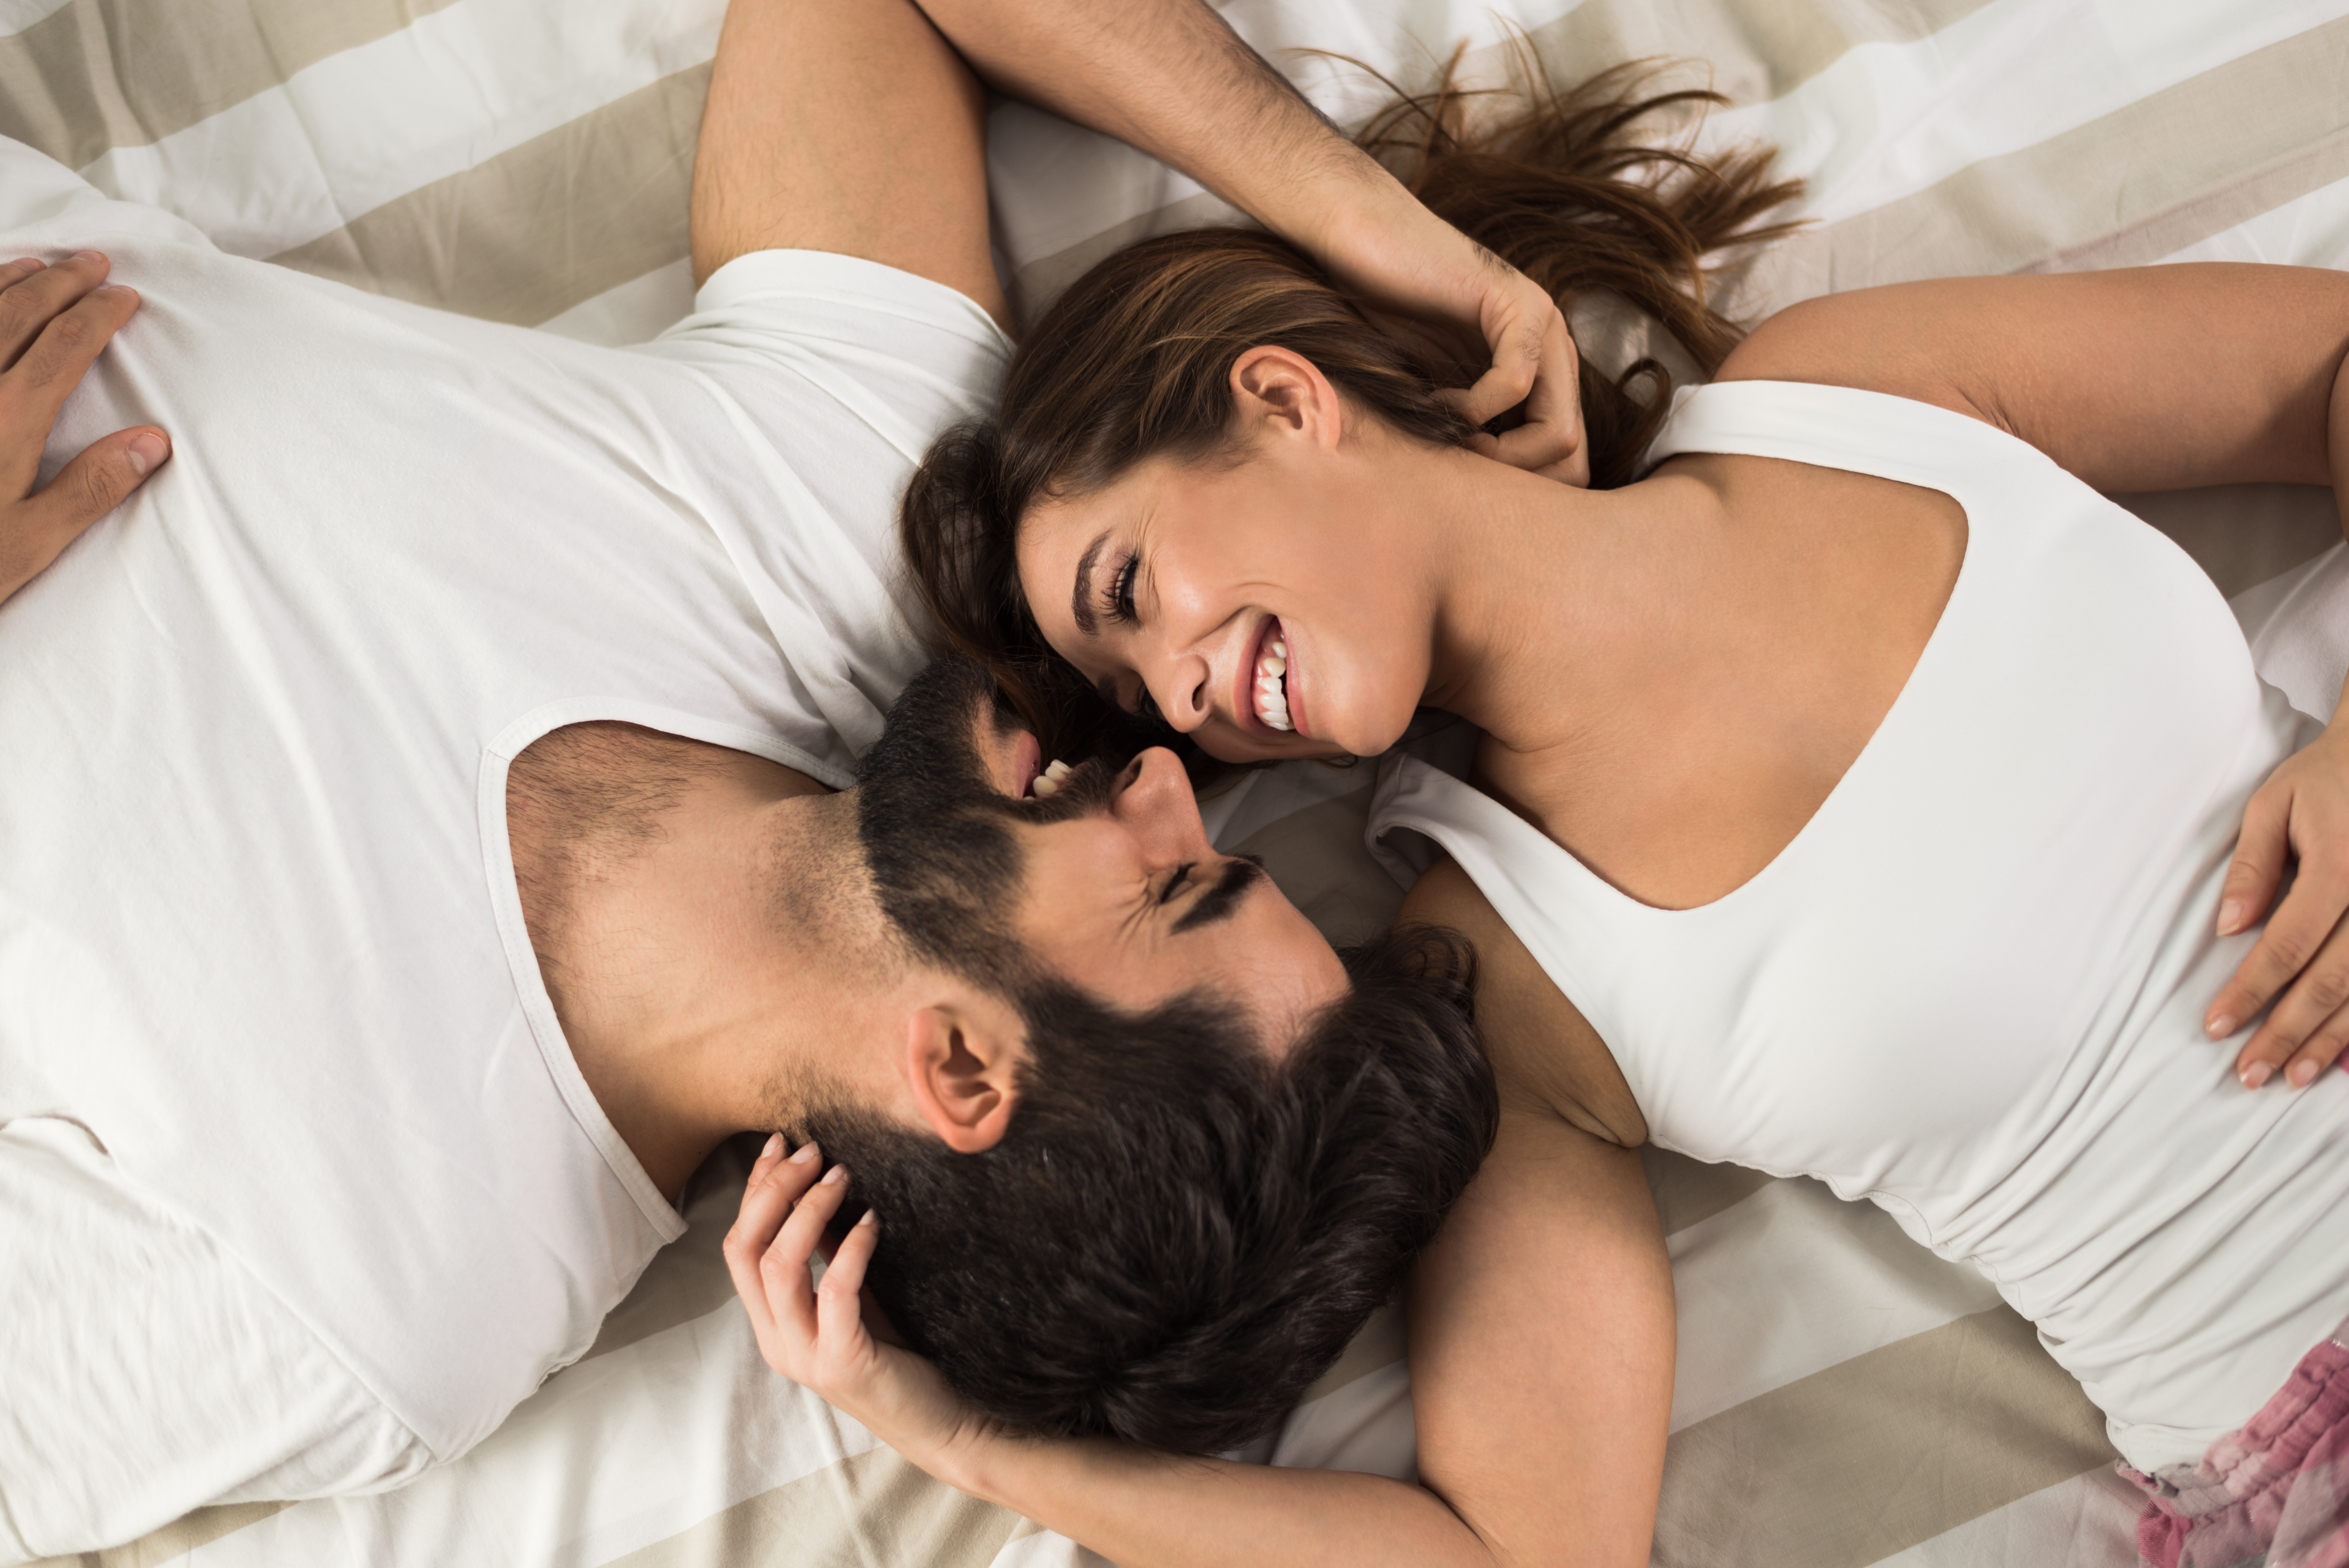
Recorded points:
(636, 311)
(2312, 231)
(2088, 1521)
(1887, 120)
(361, 128)
(16, 16)
(1792, 1281)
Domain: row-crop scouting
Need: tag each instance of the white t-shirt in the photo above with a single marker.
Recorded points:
(259, 933)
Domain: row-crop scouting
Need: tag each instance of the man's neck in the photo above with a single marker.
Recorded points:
(672, 937)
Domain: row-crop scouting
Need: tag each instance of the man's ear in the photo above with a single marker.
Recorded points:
(960, 1058)
(1279, 390)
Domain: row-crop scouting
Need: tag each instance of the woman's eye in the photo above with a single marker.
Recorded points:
(1121, 593)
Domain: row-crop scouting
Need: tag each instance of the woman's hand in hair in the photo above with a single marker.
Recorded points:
(1417, 265)
(53, 322)
(815, 1333)
(2301, 962)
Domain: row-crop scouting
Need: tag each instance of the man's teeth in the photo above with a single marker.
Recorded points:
(1272, 684)
(1049, 781)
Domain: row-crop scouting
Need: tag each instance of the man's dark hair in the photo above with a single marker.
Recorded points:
(1177, 1232)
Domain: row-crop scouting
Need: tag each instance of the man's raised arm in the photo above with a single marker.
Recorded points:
(1169, 77)
(846, 126)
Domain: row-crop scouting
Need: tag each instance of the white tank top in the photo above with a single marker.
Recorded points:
(1970, 989)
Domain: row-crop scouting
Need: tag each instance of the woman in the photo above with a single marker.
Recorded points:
(1856, 781)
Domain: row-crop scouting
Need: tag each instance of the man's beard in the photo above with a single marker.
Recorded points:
(937, 832)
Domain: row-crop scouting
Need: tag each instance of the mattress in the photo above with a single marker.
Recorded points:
(1843, 1397)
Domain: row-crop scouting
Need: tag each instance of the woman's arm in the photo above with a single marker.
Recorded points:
(2164, 377)
(1171, 77)
(1541, 1345)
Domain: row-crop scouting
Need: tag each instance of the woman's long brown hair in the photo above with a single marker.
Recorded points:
(1133, 361)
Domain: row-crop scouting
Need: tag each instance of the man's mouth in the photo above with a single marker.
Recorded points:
(1268, 688)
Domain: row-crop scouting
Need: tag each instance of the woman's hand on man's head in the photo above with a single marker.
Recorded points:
(54, 321)
(815, 1332)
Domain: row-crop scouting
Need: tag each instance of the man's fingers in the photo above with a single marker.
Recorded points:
(34, 532)
(1510, 381)
(1543, 375)
(63, 351)
(2294, 1038)
(32, 294)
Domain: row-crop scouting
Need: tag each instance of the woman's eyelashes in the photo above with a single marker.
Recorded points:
(1118, 597)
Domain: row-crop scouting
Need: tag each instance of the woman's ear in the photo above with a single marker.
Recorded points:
(960, 1061)
(1280, 392)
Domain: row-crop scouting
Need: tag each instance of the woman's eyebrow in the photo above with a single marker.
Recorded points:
(1080, 597)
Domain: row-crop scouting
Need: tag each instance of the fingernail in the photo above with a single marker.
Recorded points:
(146, 451)
(89, 256)
(120, 291)
(28, 265)
(2256, 1075)
(2220, 1027)
(2302, 1073)
(838, 1173)
(2230, 915)
(804, 1152)
(872, 1218)
(774, 1146)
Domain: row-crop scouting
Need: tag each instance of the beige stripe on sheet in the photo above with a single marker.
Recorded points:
(1761, 53)
(1688, 1191)
(1876, 1454)
(101, 74)
(2172, 168)
(177, 1539)
(867, 1509)
(593, 203)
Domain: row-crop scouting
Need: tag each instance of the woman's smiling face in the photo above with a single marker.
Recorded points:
(1272, 602)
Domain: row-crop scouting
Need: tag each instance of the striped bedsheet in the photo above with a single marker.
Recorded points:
(1844, 1398)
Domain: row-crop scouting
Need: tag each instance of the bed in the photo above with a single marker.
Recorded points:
(1843, 1397)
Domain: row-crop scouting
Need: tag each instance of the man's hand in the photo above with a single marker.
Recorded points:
(2303, 812)
(1396, 251)
(1171, 77)
(814, 1334)
(53, 322)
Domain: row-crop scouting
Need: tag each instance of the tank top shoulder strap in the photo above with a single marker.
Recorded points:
(1843, 428)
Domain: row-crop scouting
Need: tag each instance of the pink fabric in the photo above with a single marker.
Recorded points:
(2275, 1494)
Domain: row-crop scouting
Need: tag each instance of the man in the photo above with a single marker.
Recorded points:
(414, 846)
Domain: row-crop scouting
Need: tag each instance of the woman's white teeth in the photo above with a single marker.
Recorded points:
(1049, 781)
(1272, 686)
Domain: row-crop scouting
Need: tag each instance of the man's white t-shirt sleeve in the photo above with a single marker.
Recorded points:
(147, 1373)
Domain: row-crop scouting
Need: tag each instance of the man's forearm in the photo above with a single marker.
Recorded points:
(1170, 78)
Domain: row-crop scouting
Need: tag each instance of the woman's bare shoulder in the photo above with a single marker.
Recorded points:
(1544, 1053)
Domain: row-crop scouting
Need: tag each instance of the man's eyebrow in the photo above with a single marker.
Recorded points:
(1222, 901)
(1080, 597)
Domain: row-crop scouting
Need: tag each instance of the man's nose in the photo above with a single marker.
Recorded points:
(1155, 803)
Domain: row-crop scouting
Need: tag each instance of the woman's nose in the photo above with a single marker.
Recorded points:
(1186, 701)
